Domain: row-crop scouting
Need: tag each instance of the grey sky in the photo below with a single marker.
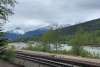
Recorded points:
(32, 14)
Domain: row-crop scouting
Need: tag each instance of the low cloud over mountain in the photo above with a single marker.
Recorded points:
(33, 14)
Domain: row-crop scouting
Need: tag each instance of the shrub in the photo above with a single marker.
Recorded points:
(8, 54)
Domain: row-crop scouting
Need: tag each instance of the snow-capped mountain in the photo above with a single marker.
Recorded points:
(18, 33)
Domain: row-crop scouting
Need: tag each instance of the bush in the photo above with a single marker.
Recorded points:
(8, 55)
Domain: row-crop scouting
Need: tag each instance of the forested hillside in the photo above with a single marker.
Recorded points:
(89, 26)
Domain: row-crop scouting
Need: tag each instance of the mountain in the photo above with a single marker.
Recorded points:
(38, 32)
(16, 36)
(90, 26)
(18, 33)
(12, 36)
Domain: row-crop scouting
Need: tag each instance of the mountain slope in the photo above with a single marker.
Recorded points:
(37, 32)
(12, 36)
(16, 36)
(86, 26)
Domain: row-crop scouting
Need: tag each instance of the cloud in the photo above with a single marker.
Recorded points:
(24, 26)
(32, 14)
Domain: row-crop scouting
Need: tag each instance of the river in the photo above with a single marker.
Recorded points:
(93, 50)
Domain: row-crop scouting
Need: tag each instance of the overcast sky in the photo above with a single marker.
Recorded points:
(32, 14)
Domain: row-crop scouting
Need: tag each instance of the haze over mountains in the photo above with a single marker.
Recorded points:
(18, 33)
(31, 15)
(91, 25)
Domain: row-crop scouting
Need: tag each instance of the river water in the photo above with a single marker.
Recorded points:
(93, 50)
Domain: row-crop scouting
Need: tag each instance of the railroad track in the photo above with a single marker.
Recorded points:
(54, 61)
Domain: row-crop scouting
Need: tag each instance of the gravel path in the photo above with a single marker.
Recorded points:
(6, 64)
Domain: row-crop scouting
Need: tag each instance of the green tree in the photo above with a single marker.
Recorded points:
(52, 37)
(6, 7)
(95, 37)
(84, 38)
(81, 38)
